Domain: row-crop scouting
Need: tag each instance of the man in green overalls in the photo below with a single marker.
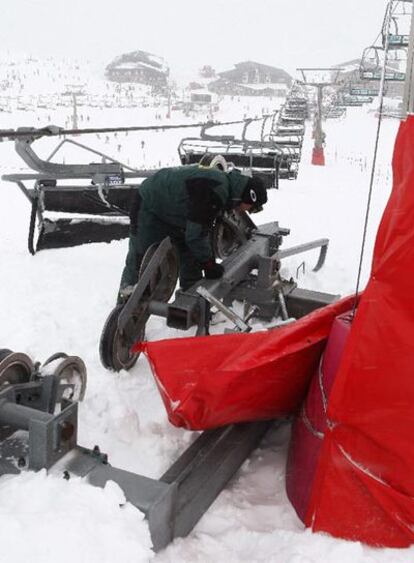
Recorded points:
(183, 203)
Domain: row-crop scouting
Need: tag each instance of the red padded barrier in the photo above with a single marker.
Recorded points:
(364, 485)
(310, 424)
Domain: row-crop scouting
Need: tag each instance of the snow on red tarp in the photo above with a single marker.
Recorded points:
(364, 486)
(212, 381)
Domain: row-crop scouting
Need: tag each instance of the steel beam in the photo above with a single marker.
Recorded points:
(174, 503)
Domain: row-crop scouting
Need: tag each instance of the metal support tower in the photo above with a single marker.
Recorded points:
(319, 78)
(74, 91)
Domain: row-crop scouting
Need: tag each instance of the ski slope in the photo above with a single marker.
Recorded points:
(58, 301)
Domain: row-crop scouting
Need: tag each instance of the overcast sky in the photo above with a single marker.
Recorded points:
(190, 33)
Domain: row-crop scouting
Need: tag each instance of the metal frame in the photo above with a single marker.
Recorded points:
(172, 504)
(273, 159)
(332, 80)
(319, 135)
(395, 39)
(107, 195)
(266, 291)
(374, 70)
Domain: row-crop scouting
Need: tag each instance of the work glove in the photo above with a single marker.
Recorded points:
(212, 270)
(124, 294)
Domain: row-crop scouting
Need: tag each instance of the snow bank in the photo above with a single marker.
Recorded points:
(58, 301)
(46, 518)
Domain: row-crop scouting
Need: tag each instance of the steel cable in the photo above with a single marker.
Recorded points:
(387, 25)
(54, 131)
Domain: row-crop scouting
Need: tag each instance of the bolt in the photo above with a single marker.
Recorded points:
(21, 462)
(67, 430)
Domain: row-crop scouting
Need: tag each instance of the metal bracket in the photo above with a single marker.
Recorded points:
(231, 315)
(320, 243)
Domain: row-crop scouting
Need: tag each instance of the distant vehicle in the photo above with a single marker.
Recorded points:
(201, 101)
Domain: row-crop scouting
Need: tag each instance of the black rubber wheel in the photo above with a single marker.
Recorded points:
(114, 350)
(15, 368)
(169, 281)
(4, 352)
(225, 237)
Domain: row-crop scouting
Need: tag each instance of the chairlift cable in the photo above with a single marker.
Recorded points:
(374, 159)
(53, 131)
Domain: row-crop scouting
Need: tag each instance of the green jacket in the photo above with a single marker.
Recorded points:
(190, 198)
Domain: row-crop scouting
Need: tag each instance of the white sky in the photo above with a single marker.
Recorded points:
(190, 33)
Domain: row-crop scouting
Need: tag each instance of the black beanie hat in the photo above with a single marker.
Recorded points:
(255, 193)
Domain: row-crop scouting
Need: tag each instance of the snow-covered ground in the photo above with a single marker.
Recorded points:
(58, 301)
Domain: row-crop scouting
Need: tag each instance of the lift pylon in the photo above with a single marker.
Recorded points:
(319, 78)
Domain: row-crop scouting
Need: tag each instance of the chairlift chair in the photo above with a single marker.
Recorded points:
(289, 130)
(399, 12)
(74, 204)
(361, 91)
(265, 157)
(355, 100)
(334, 112)
(372, 63)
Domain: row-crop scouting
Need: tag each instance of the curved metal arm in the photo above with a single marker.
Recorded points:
(100, 170)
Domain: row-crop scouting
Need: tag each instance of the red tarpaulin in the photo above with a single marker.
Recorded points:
(364, 487)
(212, 381)
(309, 426)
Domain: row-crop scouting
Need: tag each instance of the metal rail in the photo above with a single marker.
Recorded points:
(55, 131)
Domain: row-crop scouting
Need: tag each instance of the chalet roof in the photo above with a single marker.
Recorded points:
(135, 66)
(349, 66)
(253, 64)
(139, 59)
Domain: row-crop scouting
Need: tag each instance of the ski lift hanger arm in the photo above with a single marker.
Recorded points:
(100, 172)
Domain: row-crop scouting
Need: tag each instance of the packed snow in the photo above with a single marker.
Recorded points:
(58, 301)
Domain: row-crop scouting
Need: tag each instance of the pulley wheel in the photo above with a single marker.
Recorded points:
(71, 372)
(114, 347)
(225, 236)
(165, 282)
(15, 367)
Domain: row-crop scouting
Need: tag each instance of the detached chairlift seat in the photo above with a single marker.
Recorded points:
(74, 204)
(294, 109)
(258, 160)
(263, 157)
(290, 120)
(287, 141)
(91, 214)
(289, 130)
